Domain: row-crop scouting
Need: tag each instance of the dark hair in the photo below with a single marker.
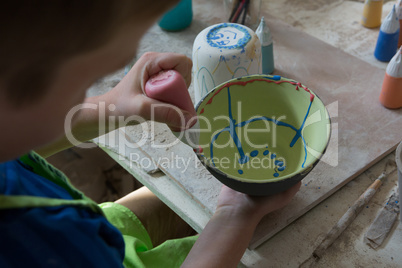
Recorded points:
(37, 35)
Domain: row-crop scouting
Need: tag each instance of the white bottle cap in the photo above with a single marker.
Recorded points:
(394, 67)
(391, 23)
(263, 33)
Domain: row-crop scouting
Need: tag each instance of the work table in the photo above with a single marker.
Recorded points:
(337, 24)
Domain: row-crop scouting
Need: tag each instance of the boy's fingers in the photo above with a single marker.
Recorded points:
(175, 118)
(178, 62)
(156, 62)
(271, 203)
(285, 197)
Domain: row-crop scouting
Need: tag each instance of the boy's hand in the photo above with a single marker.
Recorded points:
(129, 102)
(232, 226)
(129, 97)
(253, 208)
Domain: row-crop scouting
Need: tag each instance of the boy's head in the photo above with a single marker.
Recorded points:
(52, 51)
(38, 35)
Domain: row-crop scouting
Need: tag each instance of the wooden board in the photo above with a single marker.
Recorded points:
(362, 130)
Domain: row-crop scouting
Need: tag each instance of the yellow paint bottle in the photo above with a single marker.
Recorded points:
(372, 13)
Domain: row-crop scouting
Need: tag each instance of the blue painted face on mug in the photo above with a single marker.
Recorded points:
(228, 36)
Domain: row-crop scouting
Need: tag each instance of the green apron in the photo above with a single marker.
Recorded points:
(44, 169)
(139, 251)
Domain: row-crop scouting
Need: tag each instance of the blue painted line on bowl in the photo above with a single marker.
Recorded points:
(232, 126)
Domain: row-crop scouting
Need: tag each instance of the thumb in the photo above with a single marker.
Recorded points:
(176, 118)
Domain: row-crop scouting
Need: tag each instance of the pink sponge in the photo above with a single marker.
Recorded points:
(170, 87)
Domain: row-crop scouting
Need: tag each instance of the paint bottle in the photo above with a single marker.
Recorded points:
(399, 14)
(170, 87)
(387, 42)
(372, 12)
(267, 47)
(391, 92)
(178, 18)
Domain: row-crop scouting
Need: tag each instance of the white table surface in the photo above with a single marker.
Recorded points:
(337, 23)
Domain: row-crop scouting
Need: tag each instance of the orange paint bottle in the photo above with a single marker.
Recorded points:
(391, 92)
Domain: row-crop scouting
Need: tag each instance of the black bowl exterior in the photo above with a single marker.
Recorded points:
(258, 189)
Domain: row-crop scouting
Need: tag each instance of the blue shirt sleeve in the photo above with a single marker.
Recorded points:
(58, 237)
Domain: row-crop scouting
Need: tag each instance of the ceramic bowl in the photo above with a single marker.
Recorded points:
(262, 134)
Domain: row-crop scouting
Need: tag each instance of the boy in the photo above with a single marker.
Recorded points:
(51, 52)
